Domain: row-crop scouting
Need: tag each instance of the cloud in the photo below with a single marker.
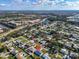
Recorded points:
(3, 4)
(44, 5)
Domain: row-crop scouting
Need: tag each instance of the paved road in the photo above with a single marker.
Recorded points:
(16, 29)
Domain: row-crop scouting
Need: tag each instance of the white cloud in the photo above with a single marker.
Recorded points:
(55, 4)
(19, 1)
(2, 4)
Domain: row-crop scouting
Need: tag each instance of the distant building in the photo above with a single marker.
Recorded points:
(74, 18)
(1, 30)
(35, 21)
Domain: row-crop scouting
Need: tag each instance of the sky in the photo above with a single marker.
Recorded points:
(39, 4)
